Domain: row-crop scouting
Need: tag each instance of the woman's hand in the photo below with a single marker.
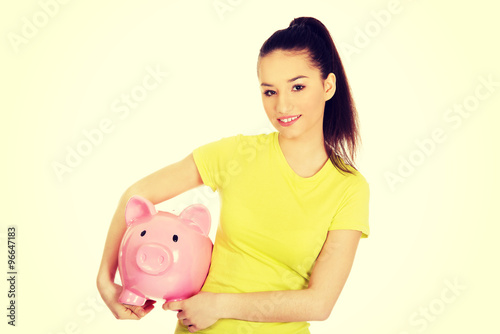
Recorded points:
(197, 312)
(110, 292)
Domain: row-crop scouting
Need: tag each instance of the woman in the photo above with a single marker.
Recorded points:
(293, 207)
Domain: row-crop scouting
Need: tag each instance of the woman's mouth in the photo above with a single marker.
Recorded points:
(287, 121)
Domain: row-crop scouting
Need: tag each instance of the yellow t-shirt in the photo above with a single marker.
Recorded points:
(273, 222)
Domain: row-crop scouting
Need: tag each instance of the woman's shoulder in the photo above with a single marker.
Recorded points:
(246, 139)
(261, 136)
(230, 145)
(354, 177)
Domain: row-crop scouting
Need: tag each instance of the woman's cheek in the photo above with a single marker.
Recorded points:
(312, 101)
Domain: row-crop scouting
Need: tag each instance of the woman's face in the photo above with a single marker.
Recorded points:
(294, 93)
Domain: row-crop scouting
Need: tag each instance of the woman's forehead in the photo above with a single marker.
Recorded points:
(283, 65)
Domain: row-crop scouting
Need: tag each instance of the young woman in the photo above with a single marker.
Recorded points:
(293, 206)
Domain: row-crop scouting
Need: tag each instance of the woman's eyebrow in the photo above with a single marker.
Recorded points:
(291, 80)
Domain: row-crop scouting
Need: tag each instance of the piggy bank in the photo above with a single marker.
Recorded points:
(162, 255)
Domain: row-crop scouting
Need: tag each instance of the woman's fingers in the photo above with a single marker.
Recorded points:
(137, 310)
(143, 310)
(173, 306)
(110, 293)
(148, 306)
(126, 312)
(134, 312)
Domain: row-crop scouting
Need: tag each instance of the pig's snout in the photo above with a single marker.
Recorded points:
(153, 259)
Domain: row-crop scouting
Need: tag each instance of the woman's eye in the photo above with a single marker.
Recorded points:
(295, 88)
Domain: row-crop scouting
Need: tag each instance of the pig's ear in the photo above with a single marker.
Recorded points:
(199, 215)
(138, 207)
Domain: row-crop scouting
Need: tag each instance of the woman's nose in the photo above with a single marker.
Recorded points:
(284, 105)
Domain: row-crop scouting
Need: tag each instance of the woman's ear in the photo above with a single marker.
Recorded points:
(330, 85)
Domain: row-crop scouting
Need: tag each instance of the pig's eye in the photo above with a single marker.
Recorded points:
(175, 238)
(143, 233)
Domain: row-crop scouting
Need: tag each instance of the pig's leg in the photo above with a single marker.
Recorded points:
(130, 298)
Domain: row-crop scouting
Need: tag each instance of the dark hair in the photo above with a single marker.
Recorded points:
(340, 120)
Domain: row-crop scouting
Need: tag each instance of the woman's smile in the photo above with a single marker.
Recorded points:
(288, 120)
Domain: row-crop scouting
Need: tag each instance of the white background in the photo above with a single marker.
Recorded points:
(434, 229)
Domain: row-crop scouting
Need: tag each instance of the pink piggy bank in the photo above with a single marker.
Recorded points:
(163, 256)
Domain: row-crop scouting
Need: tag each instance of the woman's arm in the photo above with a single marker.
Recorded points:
(157, 187)
(327, 279)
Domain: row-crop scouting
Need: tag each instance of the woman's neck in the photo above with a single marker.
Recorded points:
(305, 155)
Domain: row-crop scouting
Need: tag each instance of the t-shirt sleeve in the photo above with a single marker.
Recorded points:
(353, 210)
(214, 161)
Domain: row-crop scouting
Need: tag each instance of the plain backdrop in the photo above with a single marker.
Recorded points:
(419, 72)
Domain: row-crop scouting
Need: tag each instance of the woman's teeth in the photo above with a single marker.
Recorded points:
(286, 120)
